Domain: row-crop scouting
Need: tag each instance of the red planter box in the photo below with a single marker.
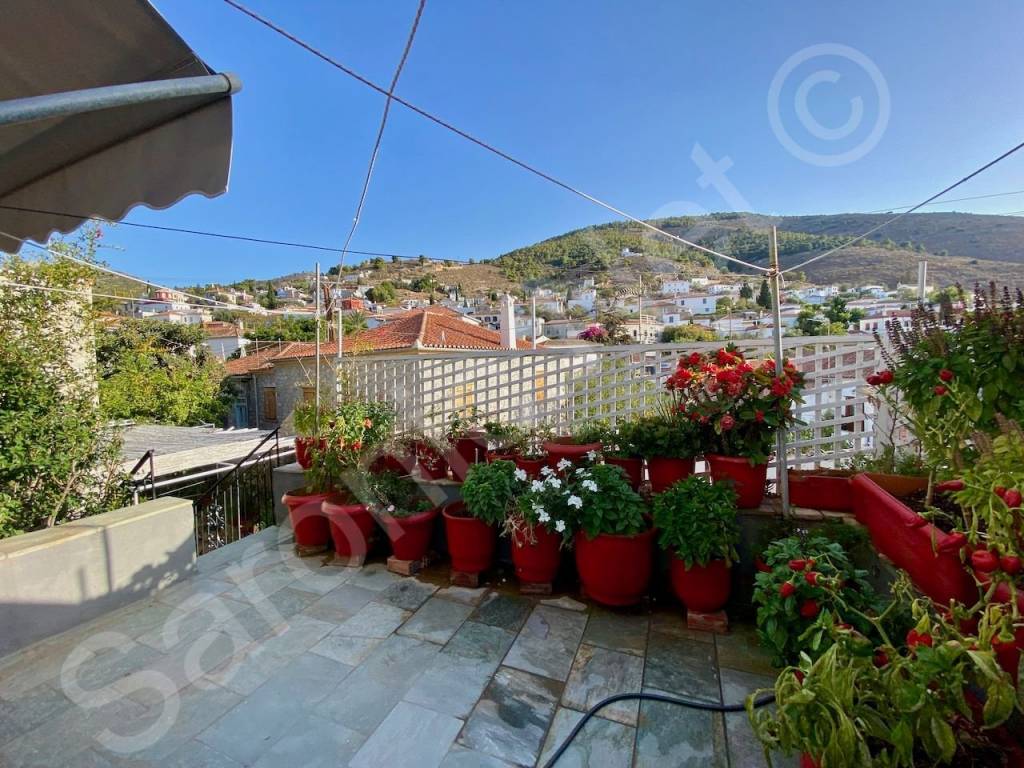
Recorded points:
(820, 489)
(466, 451)
(912, 543)
(410, 536)
(432, 463)
(302, 446)
(557, 451)
(351, 526)
(615, 570)
(666, 472)
(747, 478)
(471, 543)
(701, 588)
(633, 467)
(536, 562)
(306, 514)
(531, 467)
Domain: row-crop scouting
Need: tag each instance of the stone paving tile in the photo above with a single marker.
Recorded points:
(312, 742)
(271, 711)
(346, 649)
(740, 650)
(253, 622)
(297, 635)
(674, 623)
(460, 757)
(339, 604)
(598, 673)
(195, 589)
(601, 743)
(501, 610)
(30, 710)
(512, 717)
(466, 595)
(481, 642)
(626, 632)
(547, 643)
(408, 595)
(187, 622)
(744, 748)
(377, 620)
(374, 576)
(288, 600)
(681, 667)
(136, 619)
(318, 578)
(436, 621)
(366, 697)
(409, 735)
(671, 735)
(246, 670)
(263, 584)
(194, 753)
(107, 668)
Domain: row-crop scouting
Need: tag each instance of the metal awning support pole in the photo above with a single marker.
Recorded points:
(775, 276)
(316, 386)
(52, 105)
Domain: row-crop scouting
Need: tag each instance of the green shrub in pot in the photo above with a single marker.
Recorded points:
(490, 490)
(600, 501)
(696, 520)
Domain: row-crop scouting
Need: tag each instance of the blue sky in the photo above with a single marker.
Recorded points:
(610, 96)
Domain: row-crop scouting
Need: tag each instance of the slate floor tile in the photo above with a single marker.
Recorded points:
(744, 747)
(740, 650)
(626, 632)
(681, 667)
(683, 738)
(312, 742)
(598, 673)
(374, 619)
(511, 719)
(408, 594)
(436, 621)
(375, 577)
(547, 644)
(601, 743)
(504, 611)
(409, 735)
(194, 753)
(340, 603)
(460, 757)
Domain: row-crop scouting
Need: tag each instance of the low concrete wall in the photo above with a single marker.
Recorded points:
(54, 579)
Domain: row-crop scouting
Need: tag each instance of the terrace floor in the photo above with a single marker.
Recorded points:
(263, 659)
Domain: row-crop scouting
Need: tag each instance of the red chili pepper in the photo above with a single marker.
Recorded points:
(915, 638)
(797, 565)
(811, 577)
(940, 390)
(798, 675)
(1011, 564)
(787, 589)
(811, 563)
(885, 377)
(999, 491)
(984, 561)
(950, 486)
(881, 659)
(946, 375)
(1003, 646)
(953, 543)
(761, 565)
(1012, 498)
(809, 609)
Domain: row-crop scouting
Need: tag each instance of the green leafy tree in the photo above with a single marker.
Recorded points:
(764, 296)
(270, 298)
(384, 293)
(353, 322)
(677, 333)
(280, 328)
(746, 292)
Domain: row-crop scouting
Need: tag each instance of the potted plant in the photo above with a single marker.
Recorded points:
(901, 473)
(397, 455)
(538, 524)
(614, 538)
(696, 524)
(467, 439)
(504, 441)
(305, 505)
(407, 517)
(584, 444)
(669, 443)
(621, 448)
(739, 406)
(308, 419)
(472, 527)
(531, 457)
(431, 457)
(821, 488)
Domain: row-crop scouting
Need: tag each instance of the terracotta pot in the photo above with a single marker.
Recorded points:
(615, 570)
(432, 463)
(410, 536)
(309, 525)
(531, 467)
(493, 456)
(701, 588)
(748, 479)
(351, 526)
(558, 450)
(302, 446)
(465, 452)
(471, 542)
(821, 489)
(536, 562)
(899, 486)
(912, 543)
(633, 467)
(666, 472)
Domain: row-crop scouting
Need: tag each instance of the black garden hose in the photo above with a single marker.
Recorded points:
(692, 704)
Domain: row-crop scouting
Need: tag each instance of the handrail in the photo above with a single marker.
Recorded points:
(147, 456)
(216, 484)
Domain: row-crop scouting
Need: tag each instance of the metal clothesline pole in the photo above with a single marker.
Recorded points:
(316, 386)
(775, 277)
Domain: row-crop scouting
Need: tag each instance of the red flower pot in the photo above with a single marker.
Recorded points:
(806, 761)
(615, 570)
(666, 472)
(493, 456)
(531, 467)
(820, 489)
(307, 518)
(465, 452)
(748, 479)
(302, 446)
(388, 462)
(433, 465)
(470, 542)
(912, 543)
(899, 486)
(558, 450)
(632, 465)
(1009, 656)
(701, 588)
(410, 536)
(536, 561)
(351, 526)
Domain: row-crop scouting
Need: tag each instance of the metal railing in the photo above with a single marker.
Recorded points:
(560, 386)
(150, 477)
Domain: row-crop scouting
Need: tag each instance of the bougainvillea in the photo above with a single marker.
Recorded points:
(739, 404)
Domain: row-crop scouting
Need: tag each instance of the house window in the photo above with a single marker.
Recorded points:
(270, 403)
(308, 394)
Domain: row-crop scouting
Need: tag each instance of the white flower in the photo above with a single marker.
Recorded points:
(546, 470)
(520, 474)
(554, 482)
(575, 501)
(541, 514)
(536, 486)
(560, 525)
(564, 464)
(592, 455)
(581, 471)
(391, 507)
(590, 485)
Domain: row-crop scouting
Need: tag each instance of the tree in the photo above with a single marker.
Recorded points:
(614, 323)
(384, 293)
(575, 312)
(270, 301)
(810, 322)
(422, 259)
(280, 328)
(353, 322)
(394, 258)
(158, 372)
(377, 263)
(59, 459)
(746, 292)
(764, 296)
(692, 332)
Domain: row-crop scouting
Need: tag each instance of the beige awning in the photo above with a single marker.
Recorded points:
(103, 161)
